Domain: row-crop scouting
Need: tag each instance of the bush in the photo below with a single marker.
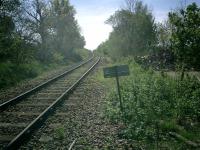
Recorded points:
(151, 100)
(11, 73)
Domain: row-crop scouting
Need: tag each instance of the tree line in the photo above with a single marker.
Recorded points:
(37, 32)
(135, 33)
(44, 30)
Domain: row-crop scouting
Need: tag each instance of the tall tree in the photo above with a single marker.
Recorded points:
(68, 36)
(134, 29)
(35, 16)
(186, 35)
(8, 11)
(49, 26)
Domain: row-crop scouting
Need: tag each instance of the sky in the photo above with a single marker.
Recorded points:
(92, 14)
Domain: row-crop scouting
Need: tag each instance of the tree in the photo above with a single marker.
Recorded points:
(36, 26)
(186, 36)
(34, 33)
(44, 30)
(7, 25)
(12, 46)
(134, 29)
(67, 37)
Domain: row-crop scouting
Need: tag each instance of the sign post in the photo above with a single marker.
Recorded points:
(117, 71)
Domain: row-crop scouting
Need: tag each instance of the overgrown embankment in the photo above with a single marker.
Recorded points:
(12, 74)
(155, 107)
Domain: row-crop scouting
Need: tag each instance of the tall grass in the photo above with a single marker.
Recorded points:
(155, 104)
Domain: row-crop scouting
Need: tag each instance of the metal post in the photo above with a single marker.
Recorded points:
(118, 89)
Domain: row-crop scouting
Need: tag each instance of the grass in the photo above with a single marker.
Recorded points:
(12, 74)
(60, 133)
(154, 105)
(109, 83)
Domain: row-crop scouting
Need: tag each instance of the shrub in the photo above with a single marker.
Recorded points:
(151, 99)
(11, 73)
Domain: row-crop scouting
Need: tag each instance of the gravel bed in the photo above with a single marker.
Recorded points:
(17, 118)
(25, 109)
(80, 120)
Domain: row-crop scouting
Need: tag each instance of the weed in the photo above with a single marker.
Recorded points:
(60, 133)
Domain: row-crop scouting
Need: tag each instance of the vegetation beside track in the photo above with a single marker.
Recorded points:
(26, 84)
(12, 74)
(155, 106)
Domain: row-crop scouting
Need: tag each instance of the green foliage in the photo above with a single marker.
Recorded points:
(186, 35)
(60, 133)
(103, 49)
(155, 104)
(39, 31)
(49, 27)
(67, 38)
(8, 6)
(58, 57)
(84, 53)
(188, 101)
(13, 73)
(136, 34)
(133, 31)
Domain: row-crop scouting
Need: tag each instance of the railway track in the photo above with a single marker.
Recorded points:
(22, 115)
(77, 119)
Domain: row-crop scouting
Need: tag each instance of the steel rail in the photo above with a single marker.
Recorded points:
(35, 124)
(15, 100)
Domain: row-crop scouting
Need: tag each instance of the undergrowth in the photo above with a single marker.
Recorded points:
(154, 105)
(11, 74)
